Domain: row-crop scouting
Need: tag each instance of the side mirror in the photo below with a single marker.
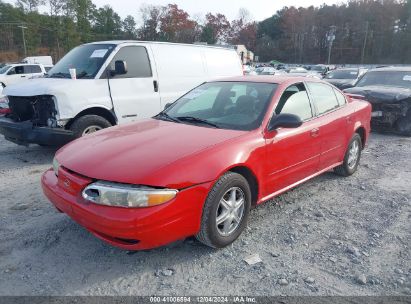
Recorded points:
(167, 105)
(11, 72)
(284, 121)
(120, 67)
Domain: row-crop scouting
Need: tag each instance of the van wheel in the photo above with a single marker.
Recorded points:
(351, 158)
(88, 124)
(225, 212)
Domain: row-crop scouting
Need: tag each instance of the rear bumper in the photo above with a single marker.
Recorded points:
(134, 228)
(24, 133)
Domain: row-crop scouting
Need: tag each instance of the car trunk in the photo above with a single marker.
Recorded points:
(36, 109)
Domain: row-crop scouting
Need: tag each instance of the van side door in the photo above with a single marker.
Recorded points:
(135, 94)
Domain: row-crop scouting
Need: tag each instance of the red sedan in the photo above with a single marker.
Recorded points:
(198, 167)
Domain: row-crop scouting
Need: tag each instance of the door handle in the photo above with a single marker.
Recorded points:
(155, 84)
(315, 132)
(23, 76)
(349, 120)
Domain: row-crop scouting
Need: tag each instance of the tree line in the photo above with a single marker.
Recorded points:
(358, 31)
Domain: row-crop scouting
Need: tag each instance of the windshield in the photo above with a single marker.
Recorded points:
(226, 105)
(4, 69)
(342, 74)
(86, 59)
(387, 78)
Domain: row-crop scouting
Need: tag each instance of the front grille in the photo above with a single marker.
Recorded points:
(37, 109)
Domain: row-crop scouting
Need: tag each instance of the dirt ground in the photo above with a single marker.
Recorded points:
(330, 236)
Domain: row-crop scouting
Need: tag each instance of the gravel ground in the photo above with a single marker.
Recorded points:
(330, 236)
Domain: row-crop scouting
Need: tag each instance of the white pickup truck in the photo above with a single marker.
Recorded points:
(14, 73)
(102, 84)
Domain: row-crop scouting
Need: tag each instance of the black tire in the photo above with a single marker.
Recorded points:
(82, 123)
(209, 233)
(345, 169)
(403, 124)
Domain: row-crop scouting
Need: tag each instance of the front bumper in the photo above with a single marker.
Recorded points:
(130, 229)
(24, 133)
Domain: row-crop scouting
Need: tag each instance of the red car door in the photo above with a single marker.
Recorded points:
(292, 154)
(335, 117)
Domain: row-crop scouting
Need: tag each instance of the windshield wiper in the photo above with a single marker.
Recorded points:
(164, 115)
(197, 120)
(59, 75)
(83, 74)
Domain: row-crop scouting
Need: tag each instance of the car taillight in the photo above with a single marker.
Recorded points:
(5, 111)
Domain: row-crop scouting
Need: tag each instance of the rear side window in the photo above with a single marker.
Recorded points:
(136, 58)
(295, 101)
(340, 97)
(323, 96)
(35, 69)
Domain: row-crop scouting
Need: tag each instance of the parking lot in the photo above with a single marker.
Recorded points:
(330, 236)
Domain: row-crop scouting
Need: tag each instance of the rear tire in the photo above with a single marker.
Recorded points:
(88, 124)
(225, 211)
(352, 157)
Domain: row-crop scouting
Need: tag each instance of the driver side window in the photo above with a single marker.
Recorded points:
(16, 70)
(295, 101)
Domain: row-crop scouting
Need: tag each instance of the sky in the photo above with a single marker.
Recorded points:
(259, 9)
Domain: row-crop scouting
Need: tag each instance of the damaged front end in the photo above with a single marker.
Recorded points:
(391, 108)
(34, 120)
(39, 110)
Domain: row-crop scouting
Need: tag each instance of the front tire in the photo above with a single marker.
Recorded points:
(351, 158)
(225, 211)
(88, 124)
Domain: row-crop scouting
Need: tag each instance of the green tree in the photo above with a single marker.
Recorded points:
(129, 27)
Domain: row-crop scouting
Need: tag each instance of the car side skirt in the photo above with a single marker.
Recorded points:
(272, 195)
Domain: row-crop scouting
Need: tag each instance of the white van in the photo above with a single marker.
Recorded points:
(115, 82)
(44, 60)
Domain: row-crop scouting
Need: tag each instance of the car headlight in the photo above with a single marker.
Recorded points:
(126, 196)
(56, 166)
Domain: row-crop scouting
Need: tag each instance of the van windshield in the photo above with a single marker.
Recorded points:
(86, 59)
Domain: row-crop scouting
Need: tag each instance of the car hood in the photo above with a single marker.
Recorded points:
(381, 94)
(133, 153)
(40, 86)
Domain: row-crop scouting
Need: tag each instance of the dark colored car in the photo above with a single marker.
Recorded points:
(319, 68)
(343, 78)
(389, 92)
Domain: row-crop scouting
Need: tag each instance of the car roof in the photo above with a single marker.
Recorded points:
(392, 69)
(268, 79)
